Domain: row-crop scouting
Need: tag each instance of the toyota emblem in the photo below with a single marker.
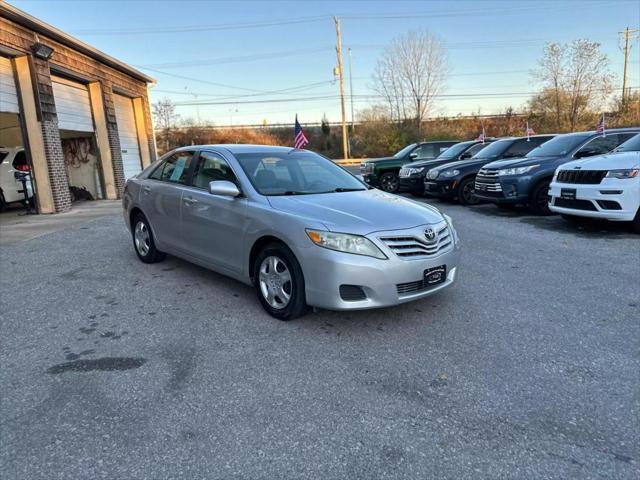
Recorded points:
(430, 234)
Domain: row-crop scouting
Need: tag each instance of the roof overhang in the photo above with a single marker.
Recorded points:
(38, 26)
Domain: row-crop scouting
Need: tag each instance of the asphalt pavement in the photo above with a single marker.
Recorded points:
(527, 368)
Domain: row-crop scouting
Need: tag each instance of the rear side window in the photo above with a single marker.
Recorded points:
(3, 155)
(174, 169)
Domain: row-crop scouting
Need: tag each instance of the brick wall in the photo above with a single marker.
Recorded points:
(73, 62)
(58, 175)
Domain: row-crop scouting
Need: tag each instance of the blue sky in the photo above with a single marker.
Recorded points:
(227, 60)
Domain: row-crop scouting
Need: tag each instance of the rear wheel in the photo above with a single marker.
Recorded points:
(3, 204)
(279, 282)
(635, 223)
(143, 242)
(389, 182)
(466, 194)
(539, 199)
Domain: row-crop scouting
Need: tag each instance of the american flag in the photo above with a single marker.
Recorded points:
(529, 131)
(300, 139)
(482, 137)
(600, 127)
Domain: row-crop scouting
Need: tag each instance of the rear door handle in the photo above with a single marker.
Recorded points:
(189, 200)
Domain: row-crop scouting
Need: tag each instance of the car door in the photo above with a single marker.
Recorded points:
(161, 199)
(214, 225)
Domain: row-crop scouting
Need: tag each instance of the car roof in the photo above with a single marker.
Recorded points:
(240, 148)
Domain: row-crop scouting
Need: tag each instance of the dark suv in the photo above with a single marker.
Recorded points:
(456, 180)
(383, 172)
(526, 180)
(412, 174)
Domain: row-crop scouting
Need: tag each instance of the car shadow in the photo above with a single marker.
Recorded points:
(585, 227)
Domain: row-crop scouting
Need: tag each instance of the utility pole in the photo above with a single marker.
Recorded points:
(353, 128)
(341, 74)
(627, 38)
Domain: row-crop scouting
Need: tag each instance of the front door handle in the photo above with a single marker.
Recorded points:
(146, 189)
(189, 200)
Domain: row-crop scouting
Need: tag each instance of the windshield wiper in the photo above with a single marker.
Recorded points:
(341, 189)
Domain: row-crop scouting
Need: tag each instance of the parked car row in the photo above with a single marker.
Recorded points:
(525, 171)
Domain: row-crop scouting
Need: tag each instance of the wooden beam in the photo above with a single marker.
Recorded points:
(102, 140)
(143, 139)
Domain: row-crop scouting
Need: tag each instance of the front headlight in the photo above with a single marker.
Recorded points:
(454, 233)
(433, 174)
(517, 171)
(450, 173)
(345, 242)
(623, 173)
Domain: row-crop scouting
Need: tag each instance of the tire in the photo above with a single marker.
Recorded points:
(3, 204)
(635, 223)
(277, 274)
(465, 192)
(539, 199)
(143, 242)
(389, 182)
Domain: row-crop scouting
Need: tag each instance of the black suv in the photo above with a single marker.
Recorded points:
(412, 174)
(456, 180)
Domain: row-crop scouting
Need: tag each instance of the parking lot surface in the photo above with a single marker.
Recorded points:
(526, 368)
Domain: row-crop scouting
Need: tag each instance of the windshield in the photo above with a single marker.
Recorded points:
(296, 173)
(631, 145)
(559, 146)
(455, 150)
(493, 150)
(405, 151)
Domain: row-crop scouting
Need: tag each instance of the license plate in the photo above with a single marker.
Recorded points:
(435, 275)
(568, 193)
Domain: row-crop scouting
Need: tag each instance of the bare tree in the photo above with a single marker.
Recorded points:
(410, 74)
(165, 118)
(575, 78)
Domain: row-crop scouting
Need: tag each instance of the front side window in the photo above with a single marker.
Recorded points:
(212, 167)
(295, 173)
(494, 150)
(475, 149)
(560, 145)
(521, 147)
(600, 145)
(405, 151)
(631, 145)
(425, 151)
(174, 169)
(455, 150)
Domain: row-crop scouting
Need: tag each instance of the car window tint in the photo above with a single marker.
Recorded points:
(425, 151)
(174, 169)
(212, 167)
(20, 160)
(600, 145)
(475, 149)
(3, 155)
(520, 148)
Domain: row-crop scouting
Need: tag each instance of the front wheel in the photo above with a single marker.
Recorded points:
(466, 194)
(279, 282)
(635, 223)
(143, 241)
(389, 182)
(539, 199)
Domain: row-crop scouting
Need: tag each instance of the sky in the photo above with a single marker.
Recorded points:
(249, 62)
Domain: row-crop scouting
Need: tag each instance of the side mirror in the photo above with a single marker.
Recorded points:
(224, 188)
(413, 155)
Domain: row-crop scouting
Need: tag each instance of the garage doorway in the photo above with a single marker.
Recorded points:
(128, 133)
(13, 155)
(77, 135)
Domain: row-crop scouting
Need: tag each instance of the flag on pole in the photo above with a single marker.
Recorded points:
(482, 136)
(300, 139)
(529, 132)
(600, 128)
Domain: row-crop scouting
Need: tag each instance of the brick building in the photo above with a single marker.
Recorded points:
(82, 116)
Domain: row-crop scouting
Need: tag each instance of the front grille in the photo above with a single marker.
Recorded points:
(487, 181)
(413, 287)
(585, 177)
(576, 204)
(408, 247)
(352, 293)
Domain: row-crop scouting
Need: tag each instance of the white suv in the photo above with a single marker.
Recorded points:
(606, 186)
(13, 159)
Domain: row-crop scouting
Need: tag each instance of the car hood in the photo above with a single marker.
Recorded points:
(519, 162)
(605, 162)
(361, 212)
(382, 159)
(424, 163)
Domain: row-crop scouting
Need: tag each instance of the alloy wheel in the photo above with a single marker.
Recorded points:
(389, 183)
(468, 195)
(275, 282)
(142, 238)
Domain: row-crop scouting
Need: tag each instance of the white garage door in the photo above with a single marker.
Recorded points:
(8, 94)
(128, 134)
(73, 105)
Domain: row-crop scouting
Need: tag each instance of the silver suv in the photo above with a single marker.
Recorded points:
(301, 229)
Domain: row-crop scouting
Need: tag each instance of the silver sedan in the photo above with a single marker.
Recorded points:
(300, 229)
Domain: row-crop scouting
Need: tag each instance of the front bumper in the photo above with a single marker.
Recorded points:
(591, 201)
(413, 184)
(384, 282)
(504, 189)
(440, 188)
